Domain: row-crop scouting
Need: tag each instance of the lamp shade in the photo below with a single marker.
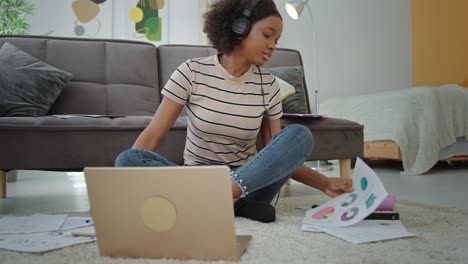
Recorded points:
(295, 7)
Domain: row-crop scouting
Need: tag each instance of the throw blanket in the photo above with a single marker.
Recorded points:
(420, 120)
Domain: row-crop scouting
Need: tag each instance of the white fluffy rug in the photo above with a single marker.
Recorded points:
(442, 238)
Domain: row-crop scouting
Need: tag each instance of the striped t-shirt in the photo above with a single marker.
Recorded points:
(224, 112)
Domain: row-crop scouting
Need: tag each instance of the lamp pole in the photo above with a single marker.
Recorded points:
(319, 165)
(294, 9)
(316, 74)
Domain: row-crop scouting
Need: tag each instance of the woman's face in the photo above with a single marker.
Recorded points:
(262, 39)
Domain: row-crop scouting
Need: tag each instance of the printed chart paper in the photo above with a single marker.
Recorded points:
(350, 208)
(31, 224)
(39, 233)
(73, 222)
(369, 231)
(342, 215)
(45, 241)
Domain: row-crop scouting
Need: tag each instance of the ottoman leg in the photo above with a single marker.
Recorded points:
(3, 183)
(345, 168)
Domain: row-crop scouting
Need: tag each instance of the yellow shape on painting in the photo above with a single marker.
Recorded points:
(85, 10)
(156, 4)
(136, 14)
(160, 4)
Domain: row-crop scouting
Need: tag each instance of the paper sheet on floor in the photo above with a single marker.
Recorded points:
(368, 231)
(73, 222)
(31, 224)
(39, 233)
(342, 216)
(45, 241)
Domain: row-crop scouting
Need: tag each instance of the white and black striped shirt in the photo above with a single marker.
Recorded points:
(224, 112)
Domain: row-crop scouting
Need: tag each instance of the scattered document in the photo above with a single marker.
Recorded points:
(350, 208)
(369, 231)
(73, 222)
(31, 224)
(343, 215)
(39, 233)
(45, 241)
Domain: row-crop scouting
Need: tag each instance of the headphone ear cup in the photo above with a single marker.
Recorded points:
(241, 27)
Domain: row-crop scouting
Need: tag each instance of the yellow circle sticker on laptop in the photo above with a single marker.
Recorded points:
(158, 213)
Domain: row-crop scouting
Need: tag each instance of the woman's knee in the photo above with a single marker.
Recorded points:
(141, 158)
(127, 158)
(302, 137)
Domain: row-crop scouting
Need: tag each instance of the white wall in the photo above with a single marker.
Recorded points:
(57, 18)
(188, 29)
(363, 46)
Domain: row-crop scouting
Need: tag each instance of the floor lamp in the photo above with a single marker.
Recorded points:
(294, 9)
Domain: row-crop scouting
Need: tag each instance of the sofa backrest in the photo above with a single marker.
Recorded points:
(110, 77)
(171, 56)
(120, 77)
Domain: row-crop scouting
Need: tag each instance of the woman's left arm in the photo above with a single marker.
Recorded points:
(275, 126)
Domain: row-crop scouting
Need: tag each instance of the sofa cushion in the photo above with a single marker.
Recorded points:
(47, 142)
(294, 75)
(28, 86)
(286, 89)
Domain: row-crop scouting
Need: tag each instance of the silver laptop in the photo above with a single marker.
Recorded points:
(164, 212)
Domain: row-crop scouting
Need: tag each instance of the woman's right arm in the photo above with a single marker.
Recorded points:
(162, 121)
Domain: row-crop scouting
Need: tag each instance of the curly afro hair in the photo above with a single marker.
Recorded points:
(219, 20)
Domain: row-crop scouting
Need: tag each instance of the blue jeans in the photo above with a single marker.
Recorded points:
(262, 176)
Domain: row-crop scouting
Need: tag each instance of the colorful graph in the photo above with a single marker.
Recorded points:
(350, 214)
(364, 183)
(325, 213)
(370, 200)
(349, 200)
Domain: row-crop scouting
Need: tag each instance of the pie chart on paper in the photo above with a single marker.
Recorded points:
(325, 213)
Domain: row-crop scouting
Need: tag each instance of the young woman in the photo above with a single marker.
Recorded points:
(229, 101)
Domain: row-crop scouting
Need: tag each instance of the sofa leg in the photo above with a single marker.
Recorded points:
(345, 168)
(3, 184)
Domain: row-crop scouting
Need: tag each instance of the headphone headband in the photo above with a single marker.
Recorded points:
(241, 25)
(250, 8)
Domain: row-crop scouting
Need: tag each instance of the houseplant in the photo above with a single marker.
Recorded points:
(13, 16)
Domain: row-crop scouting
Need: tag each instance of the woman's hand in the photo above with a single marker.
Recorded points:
(330, 186)
(336, 186)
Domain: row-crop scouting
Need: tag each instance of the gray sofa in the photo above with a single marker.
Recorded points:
(124, 78)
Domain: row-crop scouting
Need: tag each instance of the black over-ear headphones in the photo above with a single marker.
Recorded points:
(241, 25)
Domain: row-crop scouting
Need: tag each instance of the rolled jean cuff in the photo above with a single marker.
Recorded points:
(238, 181)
